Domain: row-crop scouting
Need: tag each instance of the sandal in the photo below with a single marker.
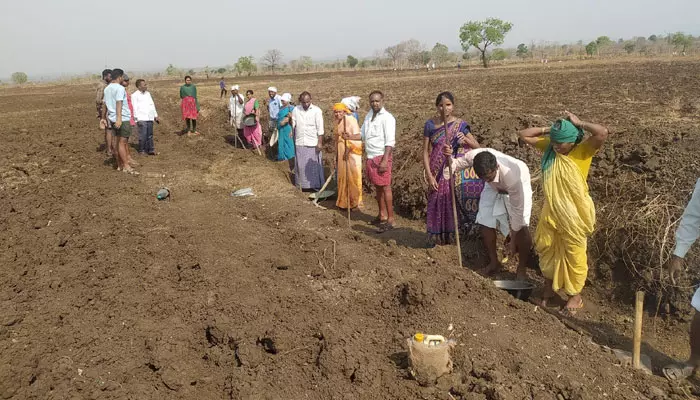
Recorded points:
(676, 372)
(377, 222)
(385, 227)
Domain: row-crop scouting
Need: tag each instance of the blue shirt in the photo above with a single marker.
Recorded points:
(115, 92)
(274, 107)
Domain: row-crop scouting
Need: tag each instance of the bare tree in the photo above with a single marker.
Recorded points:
(396, 53)
(272, 59)
(414, 51)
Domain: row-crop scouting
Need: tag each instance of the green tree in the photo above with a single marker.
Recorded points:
(19, 78)
(306, 63)
(602, 42)
(499, 55)
(172, 70)
(653, 38)
(591, 48)
(245, 65)
(482, 34)
(352, 61)
(363, 64)
(221, 70)
(190, 72)
(679, 39)
(522, 50)
(440, 53)
(629, 47)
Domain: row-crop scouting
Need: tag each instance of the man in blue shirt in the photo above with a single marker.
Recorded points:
(119, 115)
(222, 86)
(273, 108)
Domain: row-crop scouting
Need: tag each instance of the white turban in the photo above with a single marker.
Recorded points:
(287, 97)
(272, 89)
(235, 87)
(353, 102)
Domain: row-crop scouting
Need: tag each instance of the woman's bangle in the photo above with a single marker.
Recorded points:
(543, 130)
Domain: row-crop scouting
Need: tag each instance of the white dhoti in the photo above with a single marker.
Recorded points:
(496, 211)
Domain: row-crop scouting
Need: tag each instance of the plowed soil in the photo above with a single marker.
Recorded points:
(107, 293)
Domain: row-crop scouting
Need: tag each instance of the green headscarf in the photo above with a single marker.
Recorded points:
(562, 131)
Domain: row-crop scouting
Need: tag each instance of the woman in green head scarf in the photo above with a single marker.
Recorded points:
(568, 214)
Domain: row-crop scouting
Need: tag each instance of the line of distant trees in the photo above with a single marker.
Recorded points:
(479, 40)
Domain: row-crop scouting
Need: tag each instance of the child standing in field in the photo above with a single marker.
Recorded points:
(189, 106)
(145, 114)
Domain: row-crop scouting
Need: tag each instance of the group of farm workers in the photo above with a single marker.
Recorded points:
(299, 131)
(492, 190)
(493, 193)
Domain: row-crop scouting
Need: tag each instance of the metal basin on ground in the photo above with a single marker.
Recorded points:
(521, 290)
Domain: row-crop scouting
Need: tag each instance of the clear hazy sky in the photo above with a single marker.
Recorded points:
(50, 37)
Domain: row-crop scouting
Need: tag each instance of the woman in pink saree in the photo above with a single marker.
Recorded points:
(252, 134)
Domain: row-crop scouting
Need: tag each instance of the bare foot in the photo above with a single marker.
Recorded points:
(574, 305)
(492, 268)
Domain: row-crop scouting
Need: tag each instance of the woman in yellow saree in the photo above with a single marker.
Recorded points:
(350, 157)
(568, 214)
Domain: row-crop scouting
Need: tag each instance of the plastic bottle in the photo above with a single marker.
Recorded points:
(430, 340)
(163, 194)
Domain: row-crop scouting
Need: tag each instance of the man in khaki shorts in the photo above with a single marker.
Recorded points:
(119, 115)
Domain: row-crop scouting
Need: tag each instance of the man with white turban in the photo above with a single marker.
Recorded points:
(235, 108)
(274, 109)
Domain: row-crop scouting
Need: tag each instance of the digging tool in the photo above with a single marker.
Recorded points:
(318, 194)
(236, 138)
(347, 170)
(638, 315)
(296, 159)
(454, 198)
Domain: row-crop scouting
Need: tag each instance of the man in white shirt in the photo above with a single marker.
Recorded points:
(236, 104)
(687, 233)
(379, 137)
(273, 107)
(144, 114)
(307, 120)
(506, 202)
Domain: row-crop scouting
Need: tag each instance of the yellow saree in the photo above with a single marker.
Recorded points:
(567, 219)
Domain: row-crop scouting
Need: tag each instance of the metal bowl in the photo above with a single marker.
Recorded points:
(521, 290)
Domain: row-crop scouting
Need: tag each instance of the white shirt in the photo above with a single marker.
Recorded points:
(144, 107)
(689, 228)
(378, 134)
(308, 125)
(512, 177)
(235, 108)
